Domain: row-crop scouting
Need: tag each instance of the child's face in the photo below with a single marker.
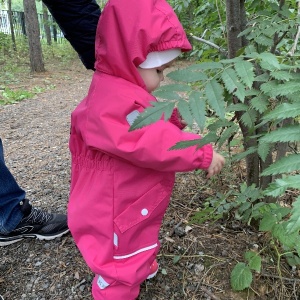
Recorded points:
(153, 77)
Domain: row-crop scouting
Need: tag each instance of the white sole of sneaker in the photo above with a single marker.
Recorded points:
(152, 275)
(33, 236)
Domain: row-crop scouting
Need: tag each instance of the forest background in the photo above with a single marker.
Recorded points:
(240, 91)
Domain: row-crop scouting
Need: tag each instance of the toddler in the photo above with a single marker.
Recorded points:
(122, 180)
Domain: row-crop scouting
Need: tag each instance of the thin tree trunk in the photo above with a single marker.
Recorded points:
(46, 24)
(33, 34)
(11, 24)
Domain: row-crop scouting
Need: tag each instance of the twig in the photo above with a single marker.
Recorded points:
(223, 51)
(209, 293)
(292, 52)
(280, 277)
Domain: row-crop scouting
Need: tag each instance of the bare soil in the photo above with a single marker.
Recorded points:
(195, 260)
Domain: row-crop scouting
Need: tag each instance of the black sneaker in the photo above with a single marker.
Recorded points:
(38, 224)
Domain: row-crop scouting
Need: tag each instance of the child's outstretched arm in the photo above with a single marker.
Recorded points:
(216, 165)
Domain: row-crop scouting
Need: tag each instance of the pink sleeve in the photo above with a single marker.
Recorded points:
(148, 147)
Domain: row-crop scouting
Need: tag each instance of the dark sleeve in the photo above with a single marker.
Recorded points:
(78, 21)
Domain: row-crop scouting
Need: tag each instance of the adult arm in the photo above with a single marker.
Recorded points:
(78, 21)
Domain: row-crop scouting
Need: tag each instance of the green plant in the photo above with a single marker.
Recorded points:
(9, 96)
(254, 95)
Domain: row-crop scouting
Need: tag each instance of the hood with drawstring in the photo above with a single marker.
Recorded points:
(122, 180)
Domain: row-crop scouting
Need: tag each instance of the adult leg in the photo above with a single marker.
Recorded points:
(18, 219)
(10, 197)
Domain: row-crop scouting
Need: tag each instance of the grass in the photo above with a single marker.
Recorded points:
(15, 67)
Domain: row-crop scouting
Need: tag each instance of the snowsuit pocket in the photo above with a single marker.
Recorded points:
(137, 227)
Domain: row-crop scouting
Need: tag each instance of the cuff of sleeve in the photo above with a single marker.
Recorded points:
(206, 157)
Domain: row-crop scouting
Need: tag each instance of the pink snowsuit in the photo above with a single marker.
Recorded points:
(122, 180)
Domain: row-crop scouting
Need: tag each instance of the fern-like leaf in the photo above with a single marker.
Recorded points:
(278, 188)
(269, 59)
(228, 132)
(184, 110)
(288, 88)
(244, 154)
(284, 165)
(197, 106)
(187, 75)
(153, 114)
(263, 150)
(229, 77)
(260, 103)
(284, 134)
(283, 111)
(282, 75)
(245, 71)
(240, 92)
(249, 118)
(294, 221)
(209, 138)
(205, 66)
(215, 98)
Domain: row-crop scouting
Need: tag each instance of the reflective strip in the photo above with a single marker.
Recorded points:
(132, 116)
(102, 283)
(136, 252)
(116, 242)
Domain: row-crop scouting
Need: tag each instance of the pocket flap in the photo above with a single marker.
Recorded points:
(143, 208)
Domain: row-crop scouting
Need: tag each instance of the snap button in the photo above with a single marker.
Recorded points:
(144, 211)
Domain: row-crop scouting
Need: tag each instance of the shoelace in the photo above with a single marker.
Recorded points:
(38, 216)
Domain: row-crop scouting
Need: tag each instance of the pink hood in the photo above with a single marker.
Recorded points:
(130, 24)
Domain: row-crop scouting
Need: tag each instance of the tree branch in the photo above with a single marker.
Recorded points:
(223, 51)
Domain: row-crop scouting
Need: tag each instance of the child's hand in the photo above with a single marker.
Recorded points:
(216, 165)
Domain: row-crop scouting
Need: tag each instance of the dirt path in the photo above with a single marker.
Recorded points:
(195, 261)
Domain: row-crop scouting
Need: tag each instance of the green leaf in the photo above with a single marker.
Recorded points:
(174, 87)
(228, 132)
(254, 260)
(283, 134)
(282, 75)
(263, 150)
(187, 75)
(164, 272)
(185, 144)
(284, 111)
(197, 106)
(242, 155)
(152, 114)
(184, 110)
(245, 71)
(240, 92)
(288, 88)
(237, 107)
(176, 259)
(241, 277)
(205, 66)
(260, 103)
(211, 137)
(278, 187)
(280, 232)
(230, 79)
(249, 118)
(284, 165)
(267, 222)
(215, 98)
(294, 221)
(270, 59)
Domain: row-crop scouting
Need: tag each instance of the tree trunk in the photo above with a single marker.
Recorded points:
(46, 24)
(235, 18)
(11, 24)
(33, 34)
